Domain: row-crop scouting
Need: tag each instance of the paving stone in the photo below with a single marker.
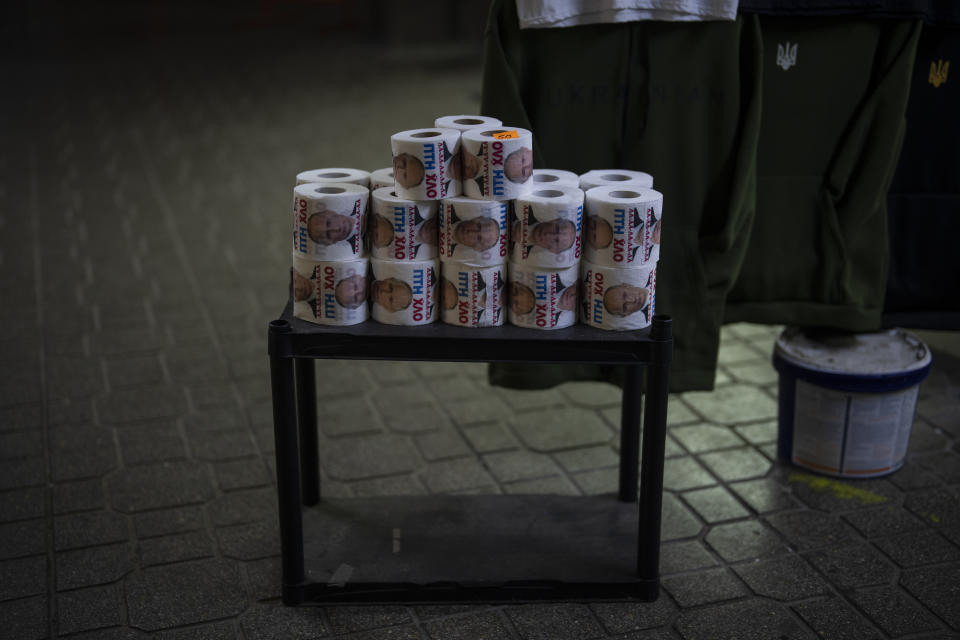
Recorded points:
(169, 484)
(21, 417)
(28, 472)
(597, 481)
(347, 619)
(758, 432)
(485, 625)
(835, 494)
(806, 530)
(157, 442)
(225, 630)
(927, 438)
(911, 477)
(268, 621)
(529, 399)
(726, 622)
(852, 565)
(222, 445)
(731, 352)
(938, 507)
(175, 548)
(25, 538)
(93, 566)
(74, 377)
(938, 588)
(137, 405)
(783, 578)
(402, 485)
(448, 476)
(88, 529)
(245, 473)
(489, 437)
(698, 438)
(834, 619)
(168, 521)
(757, 373)
(22, 504)
(434, 611)
(219, 419)
(621, 617)
(391, 372)
(704, 587)
(391, 399)
(86, 609)
(587, 458)
(213, 396)
(403, 632)
(187, 366)
(249, 541)
(944, 465)
(893, 611)
(19, 386)
(715, 504)
(679, 413)
(676, 521)
(736, 464)
(554, 621)
(23, 577)
(883, 521)
(690, 555)
(133, 372)
(420, 419)
(368, 456)
(264, 578)
(680, 474)
(81, 452)
(21, 444)
(82, 495)
(479, 409)
(561, 429)
(554, 485)
(185, 593)
(744, 540)
(439, 445)
(918, 548)
(359, 419)
(63, 412)
(763, 495)
(592, 394)
(248, 505)
(734, 404)
(510, 466)
(25, 619)
(436, 369)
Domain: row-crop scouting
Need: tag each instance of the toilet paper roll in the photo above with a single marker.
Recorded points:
(543, 298)
(402, 229)
(473, 296)
(545, 227)
(382, 178)
(404, 293)
(331, 293)
(335, 174)
(473, 231)
(497, 162)
(621, 226)
(615, 177)
(546, 178)
(464, 122)
(615, 298)
(328, 220)
(426, 163)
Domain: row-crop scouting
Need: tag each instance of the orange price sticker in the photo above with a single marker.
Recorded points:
(506, 135)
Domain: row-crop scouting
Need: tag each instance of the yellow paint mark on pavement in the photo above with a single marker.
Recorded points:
(840, 489)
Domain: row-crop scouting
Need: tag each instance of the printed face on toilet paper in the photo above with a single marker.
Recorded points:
(328, 221)
(404, 293)
(545, 228)
(332, 293)
(497, 163)
(401, 229)
(426, 163)
(543, 298)
(615, 298)
(622, 226)
(473, 296)
(473, 231)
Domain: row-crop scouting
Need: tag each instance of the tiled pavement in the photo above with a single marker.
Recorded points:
(143, 212)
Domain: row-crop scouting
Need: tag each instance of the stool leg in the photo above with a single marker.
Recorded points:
(630, 432)
(307, 425)
(288, 482)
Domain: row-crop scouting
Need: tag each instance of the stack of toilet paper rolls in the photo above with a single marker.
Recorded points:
(621, 236)
(545, 248)
(330, 267)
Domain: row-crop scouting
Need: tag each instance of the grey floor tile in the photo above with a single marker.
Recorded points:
(88, 609)
(784, 578)
(739, 541)
(715, 504)
(267, 621)
(726, 622)
(622, 617)
(511, 466)
(485, 625)
(699, 438)
(567, 621)
(894, 612)
(23, 577)
(834, 619)
(559, 429)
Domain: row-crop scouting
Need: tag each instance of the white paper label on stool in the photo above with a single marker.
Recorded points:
(473, 296)
(497, 163)
(621, 226)
(426, 163)
(402, 229)
(473, 231)
(545, 227)
(546, 178)
(614, 298)
(543, 298)
(464, 122)
(335, 174)
(381, 178)
(615, 178)
(404, 293)
(332, 293)
(328, 220)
